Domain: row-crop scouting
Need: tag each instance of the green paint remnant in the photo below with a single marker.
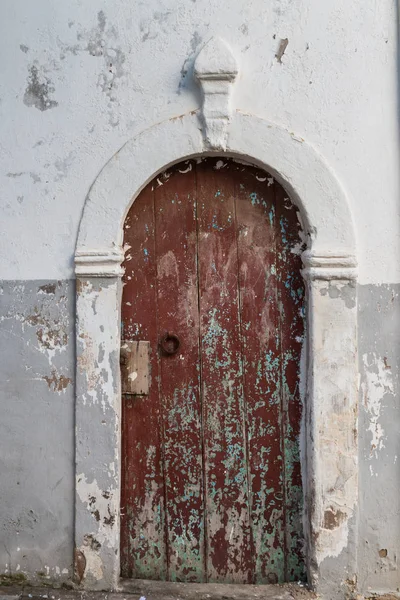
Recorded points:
(271, 215)
(12, 579)
(254, 199)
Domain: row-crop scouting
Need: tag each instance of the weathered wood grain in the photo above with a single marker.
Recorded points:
(225, 462)
(143, 543)
(211, 465)
(178, 313)
(256, 223)
(135, 363)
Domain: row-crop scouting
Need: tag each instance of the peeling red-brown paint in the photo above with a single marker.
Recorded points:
(49, 288)
(211, 469)
(57, 382)
(79, 565)
(80, 286)
(110, 519)
(50, 333)
(96, 514)
(333, 518)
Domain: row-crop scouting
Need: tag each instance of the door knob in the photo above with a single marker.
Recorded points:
(170, 343)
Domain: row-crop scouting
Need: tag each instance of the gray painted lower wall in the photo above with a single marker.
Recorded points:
(37, 367)
(379, 431)
(37, 429)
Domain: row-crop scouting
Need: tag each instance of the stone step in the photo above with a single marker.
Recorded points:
(136, 589)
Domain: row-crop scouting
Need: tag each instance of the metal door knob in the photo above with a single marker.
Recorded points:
(170, 343)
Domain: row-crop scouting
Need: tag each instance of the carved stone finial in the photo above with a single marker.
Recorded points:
(216, 69)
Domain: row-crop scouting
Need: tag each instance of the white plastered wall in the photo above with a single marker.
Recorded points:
(110, 70)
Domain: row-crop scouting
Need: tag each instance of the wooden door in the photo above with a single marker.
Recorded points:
(211, 483)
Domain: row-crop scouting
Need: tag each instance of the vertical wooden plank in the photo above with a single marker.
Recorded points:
(143, 552)
(177, 298)
(256, 221)
(291, 305)
(226, 486)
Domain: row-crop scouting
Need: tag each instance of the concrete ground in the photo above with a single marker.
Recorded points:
(154, 590)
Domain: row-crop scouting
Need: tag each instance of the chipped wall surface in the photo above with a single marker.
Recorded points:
(37, 429)
(97, 418)
(333, 435)
(379, 520)
(78, 82)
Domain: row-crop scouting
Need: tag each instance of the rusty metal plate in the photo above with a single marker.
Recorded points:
(135, 371)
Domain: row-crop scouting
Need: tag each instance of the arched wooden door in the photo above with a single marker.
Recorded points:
(211, 485)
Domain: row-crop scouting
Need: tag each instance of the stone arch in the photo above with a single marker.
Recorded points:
(303, 172)
(329, 370)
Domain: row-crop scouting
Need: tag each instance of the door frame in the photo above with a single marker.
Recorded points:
(329, 369)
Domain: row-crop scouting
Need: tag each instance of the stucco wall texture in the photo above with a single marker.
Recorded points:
(79, 79)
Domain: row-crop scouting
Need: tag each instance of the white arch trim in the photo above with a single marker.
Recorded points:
(329, 367)
(296, 164)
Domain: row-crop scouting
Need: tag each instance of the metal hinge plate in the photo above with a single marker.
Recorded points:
(135, 368)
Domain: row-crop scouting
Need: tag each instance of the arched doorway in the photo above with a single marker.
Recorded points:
(330, 357)
(211, 480)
